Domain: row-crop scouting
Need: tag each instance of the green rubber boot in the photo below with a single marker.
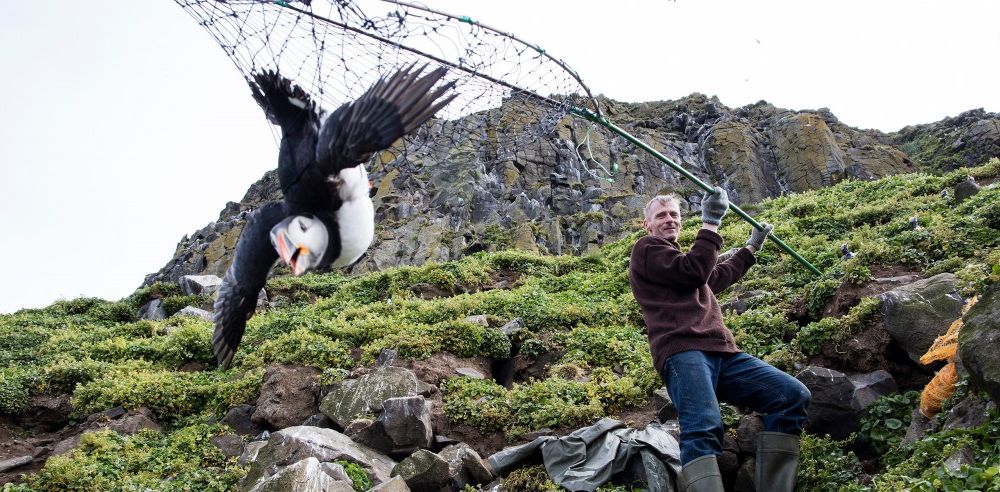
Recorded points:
(701, 475)
(777, 461)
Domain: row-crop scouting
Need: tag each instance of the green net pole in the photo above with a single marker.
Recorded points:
(590, 115)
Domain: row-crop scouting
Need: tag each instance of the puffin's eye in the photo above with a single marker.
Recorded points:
(302, 224)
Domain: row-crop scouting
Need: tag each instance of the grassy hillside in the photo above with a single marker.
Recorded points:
(577, 310)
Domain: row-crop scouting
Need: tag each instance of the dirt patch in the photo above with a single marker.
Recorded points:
(639, 417)
(16, 443)
(849, 295)
(443, 365)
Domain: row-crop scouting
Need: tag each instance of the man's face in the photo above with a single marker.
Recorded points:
(664, 220)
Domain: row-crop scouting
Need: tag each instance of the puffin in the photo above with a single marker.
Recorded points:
(326, 218)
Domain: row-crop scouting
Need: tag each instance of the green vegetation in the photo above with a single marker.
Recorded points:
(578, 311)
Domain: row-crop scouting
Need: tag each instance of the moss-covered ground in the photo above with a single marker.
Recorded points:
(579, 308)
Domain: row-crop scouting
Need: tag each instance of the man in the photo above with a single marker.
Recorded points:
(695, 353)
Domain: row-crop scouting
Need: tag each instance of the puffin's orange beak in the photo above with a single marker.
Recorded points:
(297, 268)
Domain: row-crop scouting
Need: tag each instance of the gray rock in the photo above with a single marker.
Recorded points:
(403, 427)
(469, 372)
(12, 463)
(838, 400)
(465, 466)
(395, 484)
(231, 445)
(196, 312)
(966, 189)
(337, 472)
(204, 285)
(871, 386)
(306, 475)
(918, 427)
(318, 420)
(968, 413)
(963, 456)
(296, 443)
(152, 310)
(250, 451)
(746, 478)
(978, 341)
(512, 326)
(917, 313)
(287, 396)
(351, 398)
(423, 470)
(240, 419)
(479, 319)
(746, 433)
(386, 357)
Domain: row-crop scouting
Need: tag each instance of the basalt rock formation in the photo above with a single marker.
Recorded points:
(557, 195)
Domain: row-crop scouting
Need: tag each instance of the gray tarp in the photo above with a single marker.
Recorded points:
(590, 456)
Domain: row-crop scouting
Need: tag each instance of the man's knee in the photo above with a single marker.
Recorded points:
(798, 396)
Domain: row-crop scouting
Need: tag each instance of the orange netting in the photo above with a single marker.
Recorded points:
(943, 384)
(938, 390)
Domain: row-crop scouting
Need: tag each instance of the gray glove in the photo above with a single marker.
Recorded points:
(714, 206)
(758, 236)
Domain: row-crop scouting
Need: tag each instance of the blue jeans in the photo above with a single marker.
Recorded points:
(697, 381)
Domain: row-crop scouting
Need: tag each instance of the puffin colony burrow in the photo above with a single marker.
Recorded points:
(327, 218)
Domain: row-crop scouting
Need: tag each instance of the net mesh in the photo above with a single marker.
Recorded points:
(510, 93)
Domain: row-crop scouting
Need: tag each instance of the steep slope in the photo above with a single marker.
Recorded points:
(557, 196)
(577, 353)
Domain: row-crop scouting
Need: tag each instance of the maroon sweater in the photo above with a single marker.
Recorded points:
(676, 292)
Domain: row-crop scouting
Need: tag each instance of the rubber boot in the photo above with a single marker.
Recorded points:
(701, 475)
(777, 461)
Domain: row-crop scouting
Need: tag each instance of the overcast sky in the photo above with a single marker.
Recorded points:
(125, 127)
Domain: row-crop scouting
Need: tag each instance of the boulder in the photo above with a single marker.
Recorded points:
(231, 445)
(16, 462)
(152, 310)
(403, 427)
(395, 484)
(351, 398)
(838, 400)
(917, 313)
(293, 444)
(423, 470)
(978, 341)
(240, 418)
(201, 285)
(287, 396)
(306, 475)
(195, 312)
(966, 189)
(465, 466)
(968, 414)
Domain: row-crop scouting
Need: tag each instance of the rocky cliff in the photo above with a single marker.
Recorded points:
(558, 194)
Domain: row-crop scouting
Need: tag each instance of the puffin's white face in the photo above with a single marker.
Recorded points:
(300, 242)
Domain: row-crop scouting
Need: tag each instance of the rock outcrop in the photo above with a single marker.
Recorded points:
(557, 195)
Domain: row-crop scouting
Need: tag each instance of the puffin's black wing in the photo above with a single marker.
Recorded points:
(392, 108)
(290, 107)
(246, 276)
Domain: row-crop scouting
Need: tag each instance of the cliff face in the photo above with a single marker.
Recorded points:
(557, 194)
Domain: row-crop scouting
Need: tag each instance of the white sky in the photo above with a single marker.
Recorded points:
(125, 126)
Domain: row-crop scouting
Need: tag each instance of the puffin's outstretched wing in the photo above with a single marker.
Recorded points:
(290, 107)
(246, 276)
(392, 108)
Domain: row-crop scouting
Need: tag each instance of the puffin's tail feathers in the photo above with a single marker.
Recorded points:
(285, 103)
(391, 108)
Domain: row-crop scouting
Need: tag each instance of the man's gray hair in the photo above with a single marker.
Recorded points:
(662, 199)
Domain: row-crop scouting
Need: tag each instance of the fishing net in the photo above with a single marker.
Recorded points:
(510, 93)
